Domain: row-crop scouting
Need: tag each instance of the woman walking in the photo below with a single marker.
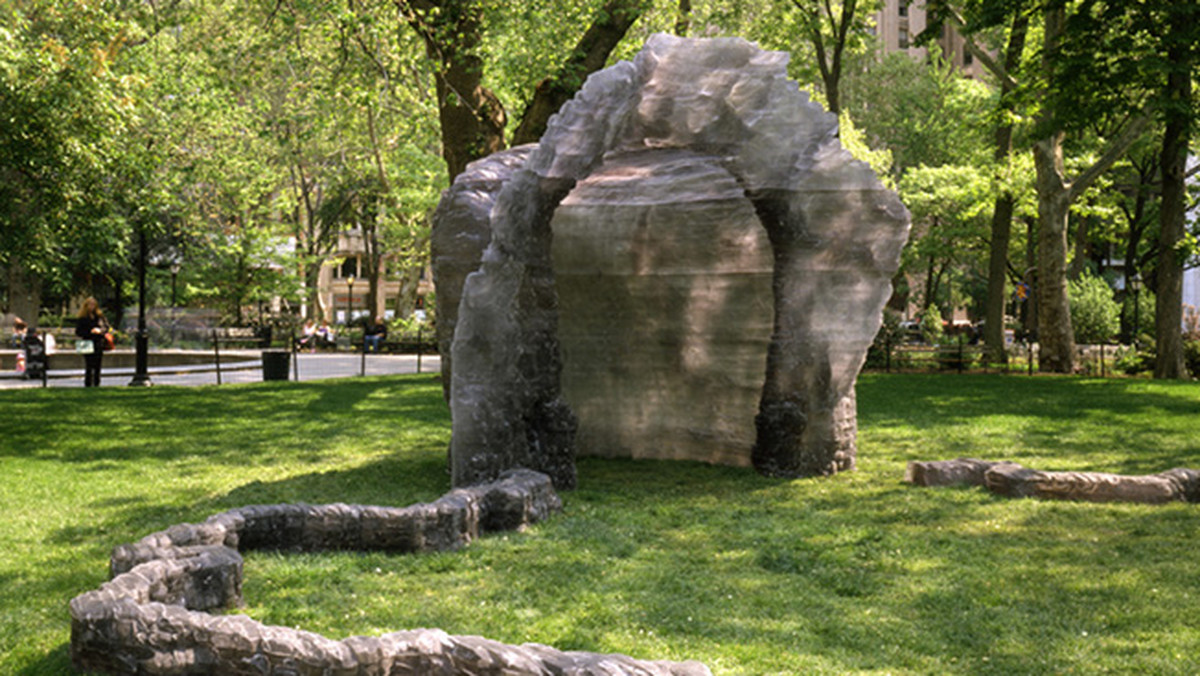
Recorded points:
(92, 326)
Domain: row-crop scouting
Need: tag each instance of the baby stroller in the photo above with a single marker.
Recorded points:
(35, 356)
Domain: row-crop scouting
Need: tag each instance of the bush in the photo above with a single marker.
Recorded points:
(1134, 362)
(931, 326)
(1191, 357)
(1095, 314)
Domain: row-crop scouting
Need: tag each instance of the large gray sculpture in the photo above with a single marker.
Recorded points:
(688, 265)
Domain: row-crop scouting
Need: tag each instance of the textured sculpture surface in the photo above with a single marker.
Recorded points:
(689, 230)
(665, 311)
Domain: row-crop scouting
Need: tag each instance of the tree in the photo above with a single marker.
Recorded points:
(1159, 41)
(932, 122)
(64, 109)
(1002, 210)
(472, 117)
(684, 20)
(1055, 104)
(1094, 312)
(589, 55)
(391, 171)
(949, 205)
(923, 113)
(833, 30)
(1179, 56)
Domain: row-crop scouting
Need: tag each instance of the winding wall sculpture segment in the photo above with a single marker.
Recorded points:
(695, 144)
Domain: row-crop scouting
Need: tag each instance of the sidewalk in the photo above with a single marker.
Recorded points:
(241, 366)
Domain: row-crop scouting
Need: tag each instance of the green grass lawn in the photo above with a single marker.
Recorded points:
(858, 573)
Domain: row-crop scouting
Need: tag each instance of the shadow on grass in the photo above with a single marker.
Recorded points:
(393, 481)
(54, 663)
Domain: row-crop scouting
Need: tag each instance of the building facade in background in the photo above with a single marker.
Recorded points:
(344, 284)
(899, 23)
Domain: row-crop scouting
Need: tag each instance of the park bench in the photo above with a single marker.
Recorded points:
(249, 336)
(419, 343)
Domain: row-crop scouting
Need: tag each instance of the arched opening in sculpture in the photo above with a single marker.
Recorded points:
(663, 274)
(835, 235)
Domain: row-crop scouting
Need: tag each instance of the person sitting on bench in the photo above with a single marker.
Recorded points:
(325, 335)
(308, 336)
(374, 335)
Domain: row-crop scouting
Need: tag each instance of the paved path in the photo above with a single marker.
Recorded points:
(243, 367)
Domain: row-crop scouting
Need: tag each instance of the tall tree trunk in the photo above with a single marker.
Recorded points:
(1055, 193)
(1056, 336)
(24, 291)
(993, 325)
(1029, 317)
(374, 268)
(829, 51)
(410, 281)
(611, 23)
(376, 215)
(1079, 242)
(1002, 212)
(683, 18)
(472, 118)
(1168, 313)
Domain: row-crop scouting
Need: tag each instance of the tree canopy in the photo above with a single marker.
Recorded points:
(248, 139)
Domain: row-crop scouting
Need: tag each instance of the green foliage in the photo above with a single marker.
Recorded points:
(1094, 310)
(854, 141)
(1153, 39)
(951, 208)
(661, 560)
(932, 329)
(924, 113)
(65, 109)
(1139, 306)
(1138, 360)
(1191, 357)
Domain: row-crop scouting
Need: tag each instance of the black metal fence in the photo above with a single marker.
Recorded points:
(963, 356)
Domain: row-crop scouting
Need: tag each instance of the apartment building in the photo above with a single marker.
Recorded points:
(343, 283)
(900, 22)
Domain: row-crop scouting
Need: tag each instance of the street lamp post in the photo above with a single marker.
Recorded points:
(1135, 284)
(350, 302)
(141, 374)
(174, 300)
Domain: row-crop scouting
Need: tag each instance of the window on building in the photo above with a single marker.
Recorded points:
(968, 58)
(902, 38)
(349, 268)
(903, 9)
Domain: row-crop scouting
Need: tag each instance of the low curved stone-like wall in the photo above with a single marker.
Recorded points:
(1015, 481)
(150, 617)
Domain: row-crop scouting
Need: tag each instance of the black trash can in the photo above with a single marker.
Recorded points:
(276, 364)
